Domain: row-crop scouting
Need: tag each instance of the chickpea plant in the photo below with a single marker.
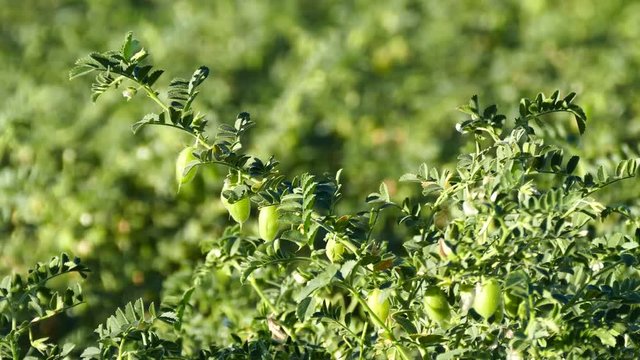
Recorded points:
(506, 256)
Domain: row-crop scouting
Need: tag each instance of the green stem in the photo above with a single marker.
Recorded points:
(375, 220)
(152, 94)
(262, 295)
(607, 183)
(546, 112)
(41, 283)
(491, 133)
(271, 307)
(415, 291)
(121, 347)
(346, 328)
(172, 126)
(364, 334)
(286, 260)
(13, 341)
(532, 318)
(201, 141)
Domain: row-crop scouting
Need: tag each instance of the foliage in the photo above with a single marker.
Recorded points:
(508, 239)
(331, 85)
(24, 303)
(370, 88)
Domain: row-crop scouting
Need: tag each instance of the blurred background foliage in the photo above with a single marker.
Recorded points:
(368, 86)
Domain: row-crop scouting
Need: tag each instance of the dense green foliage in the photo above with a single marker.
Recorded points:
(370, 89)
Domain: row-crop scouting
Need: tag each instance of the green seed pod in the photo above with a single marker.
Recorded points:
(437, 306)
(378, 302)
(239, 210)
(184, 158)
(334, 249)
(487, 299)
(268, 222)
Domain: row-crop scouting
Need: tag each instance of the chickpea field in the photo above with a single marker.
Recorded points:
(319, 179)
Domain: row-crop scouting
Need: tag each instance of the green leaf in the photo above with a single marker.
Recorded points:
(452, 354)
(67, 348)
(581, 123)
(621, 168)
(197, 78)
(347, 268)
(430, 340)
(517, 282)
(323, 279)
(305, 308)
(91, 353)
(294, 235)
(384, 192)
(569, 98)
(601, 175)
(572, 164)
(149, 119)
(556, 161)
(409, 178)
(406, 324)
(605, 337)
(169, 317)
(130, 46)
(628, 259)
(78, 71)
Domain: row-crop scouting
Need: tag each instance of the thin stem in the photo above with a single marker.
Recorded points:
(547, 112)
(373, 315)
(375, 221)
(271, 307)
(121, 347)
(152, 94)
(219, 163)
(200, 140)
(41, 283)
(491, 133)
(605, 184)
(415, 291)
(172, 126)
(14, 331)
(348, 330)
(364, 333)
(286, 260)
(261, 294)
